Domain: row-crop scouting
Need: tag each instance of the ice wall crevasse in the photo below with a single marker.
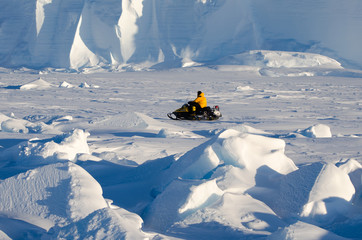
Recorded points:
(106, 33)
(51, 32)
(80, 55)
(40, 4)
(128, 28)
(96, 40)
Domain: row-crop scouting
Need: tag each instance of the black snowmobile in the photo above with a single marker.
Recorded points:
(189, 111)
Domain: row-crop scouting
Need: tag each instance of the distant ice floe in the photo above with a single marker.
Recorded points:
(281, 63)
(41, 84)
(281, 59)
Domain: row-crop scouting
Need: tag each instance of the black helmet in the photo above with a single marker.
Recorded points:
(198, 93)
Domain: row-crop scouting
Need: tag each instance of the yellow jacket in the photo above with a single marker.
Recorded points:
(201, 100)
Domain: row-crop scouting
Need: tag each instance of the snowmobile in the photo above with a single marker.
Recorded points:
(190, 112)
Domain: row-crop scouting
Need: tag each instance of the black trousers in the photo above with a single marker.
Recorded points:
(198, 108)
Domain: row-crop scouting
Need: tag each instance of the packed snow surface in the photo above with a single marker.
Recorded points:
(158, 34)
(94, 156)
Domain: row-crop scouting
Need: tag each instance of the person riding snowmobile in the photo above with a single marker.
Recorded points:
(196, 110)
(199, 103)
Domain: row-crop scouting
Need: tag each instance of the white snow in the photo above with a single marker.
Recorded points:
(87, 150)
(330, 196)
(301, 230)
(106, 162)
(49, 195)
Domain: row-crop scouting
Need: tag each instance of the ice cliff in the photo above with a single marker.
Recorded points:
(163, 33)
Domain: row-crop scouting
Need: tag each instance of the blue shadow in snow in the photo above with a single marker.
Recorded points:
(18, 229)
(15, 87)
(9, 142)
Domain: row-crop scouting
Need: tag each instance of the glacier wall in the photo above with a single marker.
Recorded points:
(169, 33)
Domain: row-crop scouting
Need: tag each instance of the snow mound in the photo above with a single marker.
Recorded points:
(317, 131)
(318, 193)
(15, 125)
(84, 85)
(3, 118)
(302, 230)
(165, 129)
(4, 236)
(126, 120)
(136, 120)
(104, 223)
(243, 88)
(65, 84)
(64, 147)
(54, 194)
(39, 84)
(243, 129)
(244, 151)
(354, 171)
(228, 163)
(181, 198)
(244, 182)
(330, 196)
(244, 214)
(283, 63)
(164, 133)
(23, 126)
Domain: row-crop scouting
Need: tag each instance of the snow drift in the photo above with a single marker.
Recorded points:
(49, 195)
(64, 147)
(241, 176)
(141, 175)
(141, 34)
(238, 184)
